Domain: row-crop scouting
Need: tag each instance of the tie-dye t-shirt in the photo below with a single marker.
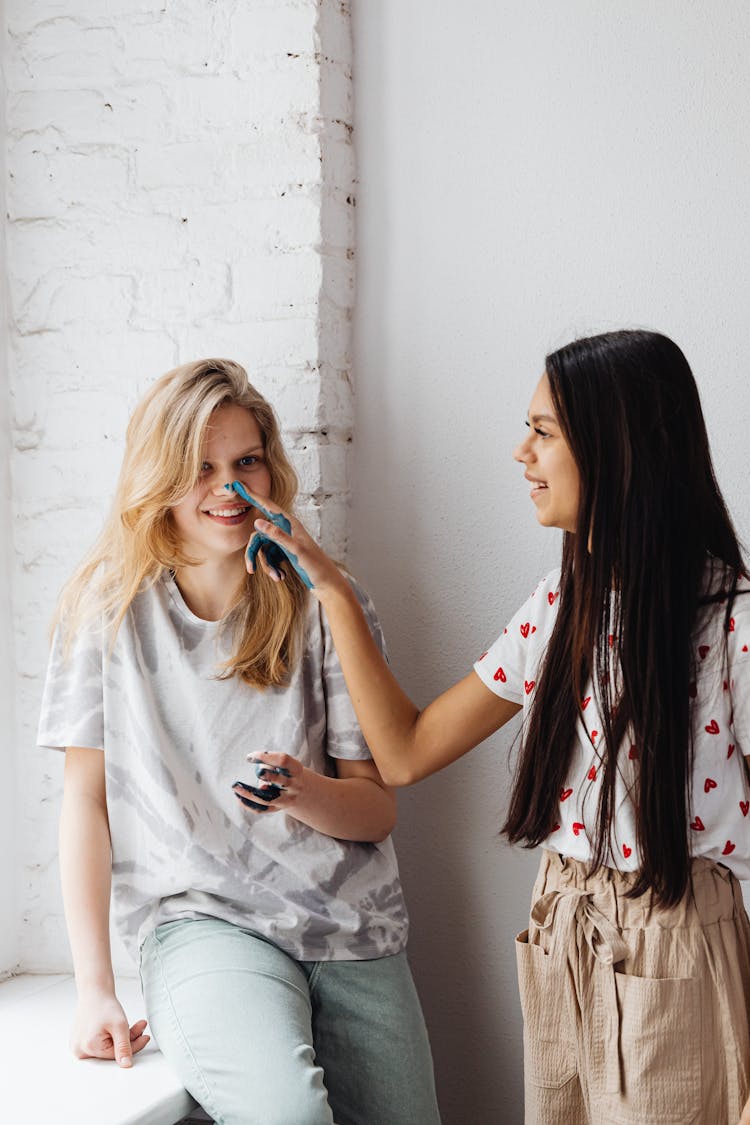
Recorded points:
(175, 738)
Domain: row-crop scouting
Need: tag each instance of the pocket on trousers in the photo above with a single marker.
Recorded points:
(660, 1033)
(549, 1052)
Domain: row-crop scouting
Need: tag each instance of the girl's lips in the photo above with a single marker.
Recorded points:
(228, 520)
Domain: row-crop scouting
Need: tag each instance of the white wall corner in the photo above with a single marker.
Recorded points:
(10, 929)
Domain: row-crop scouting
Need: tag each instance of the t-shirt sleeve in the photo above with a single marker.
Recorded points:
(72, 711)
(509, 666)
(739, 667)
(344, 738)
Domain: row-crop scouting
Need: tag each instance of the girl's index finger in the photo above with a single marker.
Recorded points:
(238, 487)
(278, 531)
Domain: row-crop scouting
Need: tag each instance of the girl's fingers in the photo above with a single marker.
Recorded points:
(283, 764)
(277, 534)
(255, 799)
(271, 571)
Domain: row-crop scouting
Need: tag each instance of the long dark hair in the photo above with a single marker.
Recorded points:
(651, 520)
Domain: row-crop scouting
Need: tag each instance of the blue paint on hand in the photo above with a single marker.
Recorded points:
(274, 552)
(270, 793)
(262, 770)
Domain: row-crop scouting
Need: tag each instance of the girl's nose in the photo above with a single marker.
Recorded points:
(522, 452)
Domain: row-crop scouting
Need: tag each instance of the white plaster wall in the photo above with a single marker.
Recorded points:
(528, 173)
(180, 185)
(9, 930)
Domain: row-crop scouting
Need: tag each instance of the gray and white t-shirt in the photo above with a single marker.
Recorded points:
(175, 738)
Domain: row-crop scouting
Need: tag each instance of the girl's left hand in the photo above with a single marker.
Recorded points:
(279, 782)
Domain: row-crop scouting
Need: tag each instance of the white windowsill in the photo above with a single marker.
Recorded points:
(41, 1081)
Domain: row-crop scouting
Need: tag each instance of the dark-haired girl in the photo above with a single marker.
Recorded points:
(632, 666)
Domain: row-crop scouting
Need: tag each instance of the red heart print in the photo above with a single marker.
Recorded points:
(500, 675)
(703, 651)
(728, 848)
(713, 727)
(525, 630)
(585, 702)
(745, 806)
(594, 735)
(533, 628)
(592, 774)
(611, 639)
(552, 597)
(633, 753)
(626, 851)
(708, 785)
(578, 827)
(731, 624)
(726, 686)
(692, 690)
(730, 750)
(482, 656)
(556, 828)
(565, 793)
(698, 825)
(528, 686)
(744, 648)
(505, 630)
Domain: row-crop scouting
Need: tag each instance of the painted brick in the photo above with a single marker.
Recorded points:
(45, 184)
(109, 116)
(278, 285)
(57, 53)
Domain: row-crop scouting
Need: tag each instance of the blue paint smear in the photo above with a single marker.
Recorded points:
(268, 794)
(274, 552)
(262, 769)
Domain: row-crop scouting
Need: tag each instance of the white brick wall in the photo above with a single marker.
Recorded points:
(180, 185)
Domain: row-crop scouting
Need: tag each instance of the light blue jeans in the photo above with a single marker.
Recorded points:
(260, 1039)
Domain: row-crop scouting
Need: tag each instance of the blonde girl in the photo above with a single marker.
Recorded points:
(219, 791)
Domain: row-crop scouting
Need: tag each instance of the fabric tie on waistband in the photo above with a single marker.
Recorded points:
(575, 910)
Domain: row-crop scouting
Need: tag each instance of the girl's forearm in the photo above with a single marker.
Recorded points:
(86, 876)
(352, 808)
(387, 716)
(407, 744)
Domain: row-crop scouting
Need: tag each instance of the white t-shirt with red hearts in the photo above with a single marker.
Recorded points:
(720, 712)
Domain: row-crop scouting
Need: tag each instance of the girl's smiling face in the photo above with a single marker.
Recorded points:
(550, 466)
(211, 520)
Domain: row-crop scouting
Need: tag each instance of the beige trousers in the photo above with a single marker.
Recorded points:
(634, 1014)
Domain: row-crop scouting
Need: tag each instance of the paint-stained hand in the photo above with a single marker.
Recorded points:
(101, 1030)
(280, 781)
(273, 553)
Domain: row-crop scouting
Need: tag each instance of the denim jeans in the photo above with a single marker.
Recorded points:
(260, 1039)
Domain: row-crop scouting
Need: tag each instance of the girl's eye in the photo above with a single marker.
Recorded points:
(248, 462)
(542, 433)
(205, 467)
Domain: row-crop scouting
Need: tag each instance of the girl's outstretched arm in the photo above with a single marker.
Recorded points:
(406, 743)
(101, 1028)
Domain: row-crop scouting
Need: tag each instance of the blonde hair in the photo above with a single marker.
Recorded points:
(139, 542)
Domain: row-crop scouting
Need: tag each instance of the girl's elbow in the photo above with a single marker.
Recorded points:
(398, 775)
